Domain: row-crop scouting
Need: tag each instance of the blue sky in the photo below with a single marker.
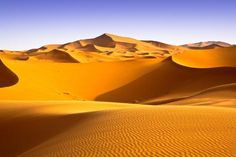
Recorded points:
(26, 24)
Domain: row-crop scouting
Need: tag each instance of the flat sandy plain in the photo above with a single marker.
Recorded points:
(117, 96)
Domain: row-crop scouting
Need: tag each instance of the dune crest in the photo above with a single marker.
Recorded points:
(207, 45)
(71, 81)
(221, 57)
(56, 56)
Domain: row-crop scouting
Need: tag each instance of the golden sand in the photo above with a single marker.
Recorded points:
(60, 129)
(49, 100)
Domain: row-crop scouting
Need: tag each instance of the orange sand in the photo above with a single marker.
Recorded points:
(44, 93)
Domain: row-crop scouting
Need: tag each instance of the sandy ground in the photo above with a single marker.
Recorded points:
(73, 128)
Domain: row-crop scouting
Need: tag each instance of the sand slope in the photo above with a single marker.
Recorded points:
(72, 128)
(170, 80)
(25, 124)
(55, 56)
(146, 131)
(7, 77)
(56, 81)
(221, 57)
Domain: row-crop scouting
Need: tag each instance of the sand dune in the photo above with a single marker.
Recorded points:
(48, 99)
(170, 81)
(7, 77)
(146, 80)
(143, 130)
(225, 94)
(45, 48)
(9, 55)
(56, 56)
(53, 81)
(107, 47)
(221, 57)
(63, 129)
(25, 124)
(207, 45)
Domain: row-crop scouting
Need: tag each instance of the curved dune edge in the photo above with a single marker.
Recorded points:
(226, 91)
(71, 81)
(7, 77)
(147, 131)
(169, 80)
(55, 56)
(212, 58)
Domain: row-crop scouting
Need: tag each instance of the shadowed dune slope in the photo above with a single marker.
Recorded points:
(146, 131)
(7, 77)
(221, 57)
(170, 80)
(222, 95)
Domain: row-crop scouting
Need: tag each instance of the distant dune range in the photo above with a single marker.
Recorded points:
(106, 47)
(170, 100)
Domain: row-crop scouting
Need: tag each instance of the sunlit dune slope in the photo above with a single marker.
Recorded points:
(169, 81)
(221, 57)
(46, 80)
(141, 131)
(25, 124)
(7, 77)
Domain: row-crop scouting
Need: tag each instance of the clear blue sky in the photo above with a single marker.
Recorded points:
(27, 24)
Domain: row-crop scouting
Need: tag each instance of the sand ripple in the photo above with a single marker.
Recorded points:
(148, 131)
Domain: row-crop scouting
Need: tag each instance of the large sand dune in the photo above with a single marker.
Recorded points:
(153, 81)
(221, 57)
(54, 81)
(170, 81)
(57, 129)
(25, 124)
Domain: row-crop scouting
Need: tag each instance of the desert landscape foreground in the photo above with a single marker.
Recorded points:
(118, 96)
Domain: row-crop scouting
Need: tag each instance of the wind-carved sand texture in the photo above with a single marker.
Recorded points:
(173, 100)
(55, 129)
